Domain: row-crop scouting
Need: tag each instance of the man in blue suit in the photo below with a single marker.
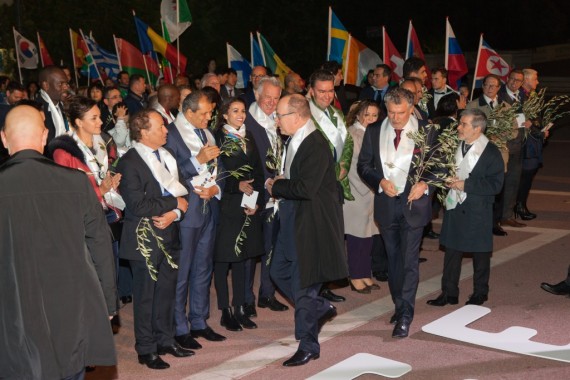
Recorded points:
(195, 150)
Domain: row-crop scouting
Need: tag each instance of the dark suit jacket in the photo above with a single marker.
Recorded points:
(195, 216)
(370, 170)
(248, 96)
(4, 108)
(50, 125)
(263, 145)
(516, 143)
(367, 93)
(143, 197)
(319, 230)
(134, 103)
(468, 227)
(225, 95)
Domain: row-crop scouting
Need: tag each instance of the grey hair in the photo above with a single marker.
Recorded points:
(397, 95)
(205, 78)
(300, 104)
(191, 102)
(269, 80)
(479, 118)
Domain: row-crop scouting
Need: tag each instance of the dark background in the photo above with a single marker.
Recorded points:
(297, 30)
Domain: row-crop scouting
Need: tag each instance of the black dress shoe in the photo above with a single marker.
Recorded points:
(560, 289)
(249, 310)
(394, 319)
(187, 342)
(327, 316)
(174, 350)
(380, 276)
(126, 299)
(301, 357)
(431, 234)
(115, 324)
(443, 300)
(243, 319)
(153, 361)
(498, 231)
(477, 299)
(271, 303)
(229, 321)
(329, 295)
(402, 329)
(207, 334)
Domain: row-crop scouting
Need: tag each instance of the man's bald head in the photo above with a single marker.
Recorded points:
(24, 129)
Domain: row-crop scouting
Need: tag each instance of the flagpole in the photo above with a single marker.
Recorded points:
(162, 24)
(118, 54)
(384, 44)
(329, 34)
(92, 59)
(17, 54)
(348, 59)
(178, 38)
(40, 45)
(73, 59)
(409, 40)
(476, 66)
(251, 48)
(261, 48)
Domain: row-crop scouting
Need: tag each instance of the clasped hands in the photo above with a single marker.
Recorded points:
(455, 183)
(163, 221)
(416, 192)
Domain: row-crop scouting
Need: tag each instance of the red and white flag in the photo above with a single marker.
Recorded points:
(26, 51)
(489, 62)
(392, 57)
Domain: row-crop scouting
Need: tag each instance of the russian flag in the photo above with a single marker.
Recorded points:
(414, 49)
(237, 62)
(359, 59)
(489, 62)
(454, 59)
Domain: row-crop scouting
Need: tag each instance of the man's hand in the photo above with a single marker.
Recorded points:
(182, 204)
(417, 191)
(250, 211)
(206, 192)
(456, 185)
(208, 153)
(165, 220)
(388, 187)
(245, 187)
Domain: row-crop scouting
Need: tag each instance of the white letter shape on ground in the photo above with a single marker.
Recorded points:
(361, 364)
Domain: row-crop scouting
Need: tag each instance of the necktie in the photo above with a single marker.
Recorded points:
(492, 104)
(397, 138)
(231, 92)
(465, 148)
(377, 95)
(201, 135)
(157, 154)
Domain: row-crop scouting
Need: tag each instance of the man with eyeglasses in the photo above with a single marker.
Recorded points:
(257, 73)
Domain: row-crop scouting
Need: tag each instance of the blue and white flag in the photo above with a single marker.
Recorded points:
(106, 63)
(237, 62)
(257, 58)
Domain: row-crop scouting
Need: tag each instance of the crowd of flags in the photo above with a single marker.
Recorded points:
(157, 51)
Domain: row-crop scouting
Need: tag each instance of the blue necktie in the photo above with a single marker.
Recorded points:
(201, 135)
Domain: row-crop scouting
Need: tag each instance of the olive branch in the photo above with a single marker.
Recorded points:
(241, 236)
(144, 228)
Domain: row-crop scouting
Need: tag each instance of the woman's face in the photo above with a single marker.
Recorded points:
(91, 122)
(96, 94)
(369, 116)
(236, 115)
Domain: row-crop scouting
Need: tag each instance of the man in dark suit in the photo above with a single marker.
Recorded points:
(195, 150)
(260, 121)
(310, 246)
(381, 84)
(340, 100)
(57, 277)
(439, 89)
(136, 98)
(467, 222)
(53, 83)
(229, 90)
(248, 95)
(156, 201)
(402, 209)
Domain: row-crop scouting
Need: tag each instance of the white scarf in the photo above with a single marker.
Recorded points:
(396, 163)
(266, 122)
(296, 140)
(165, 114)
(57, 115)
(335, 134)
(465, 166)
(191, 138)
(168, 179)
(98, 164)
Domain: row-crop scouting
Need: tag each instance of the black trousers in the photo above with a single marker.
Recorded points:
(379, 256)
(221, 270)
(452, 271)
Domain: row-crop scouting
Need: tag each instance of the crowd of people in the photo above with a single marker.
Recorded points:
(200, 180)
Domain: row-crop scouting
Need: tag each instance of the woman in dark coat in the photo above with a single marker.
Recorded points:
(239, 234)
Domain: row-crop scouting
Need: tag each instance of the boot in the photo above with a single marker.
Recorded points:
(229, 321)
(243, 319)
(522, 212)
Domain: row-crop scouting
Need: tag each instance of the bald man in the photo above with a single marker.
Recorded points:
(57, 277)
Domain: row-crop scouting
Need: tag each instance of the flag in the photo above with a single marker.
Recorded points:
(133, 61)
(26, 51)
(414, 49)
(454, 59)
(168, 73)
(489, 62)
(176, 16)
(151, 41)
(79, 49)
(338, 40)
(105, 62)
(237, 62)
(392, 57)
(272, 60)
(44, 55)
(359, 59)
(257, 58)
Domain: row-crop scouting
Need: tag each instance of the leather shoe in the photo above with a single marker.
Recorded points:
(271, 303)
(126, 299)
(431, 234)
(153, 361)
(187, 342)
(477, 299)
(249, 310)
(402, 329)
(498, 231)
(174, 350)
(229, 321)
(380, 276)
(511, 222)
(365, 290)
(559, 289)
(243, 320)
(327, 316)
(443, 300)
(329, 295)
(207, 334)
(394, 319)
(301, 357)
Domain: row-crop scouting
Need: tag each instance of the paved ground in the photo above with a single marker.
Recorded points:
(521, 261)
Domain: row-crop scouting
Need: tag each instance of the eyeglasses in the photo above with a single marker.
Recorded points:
(278, 116)
(115, 97)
